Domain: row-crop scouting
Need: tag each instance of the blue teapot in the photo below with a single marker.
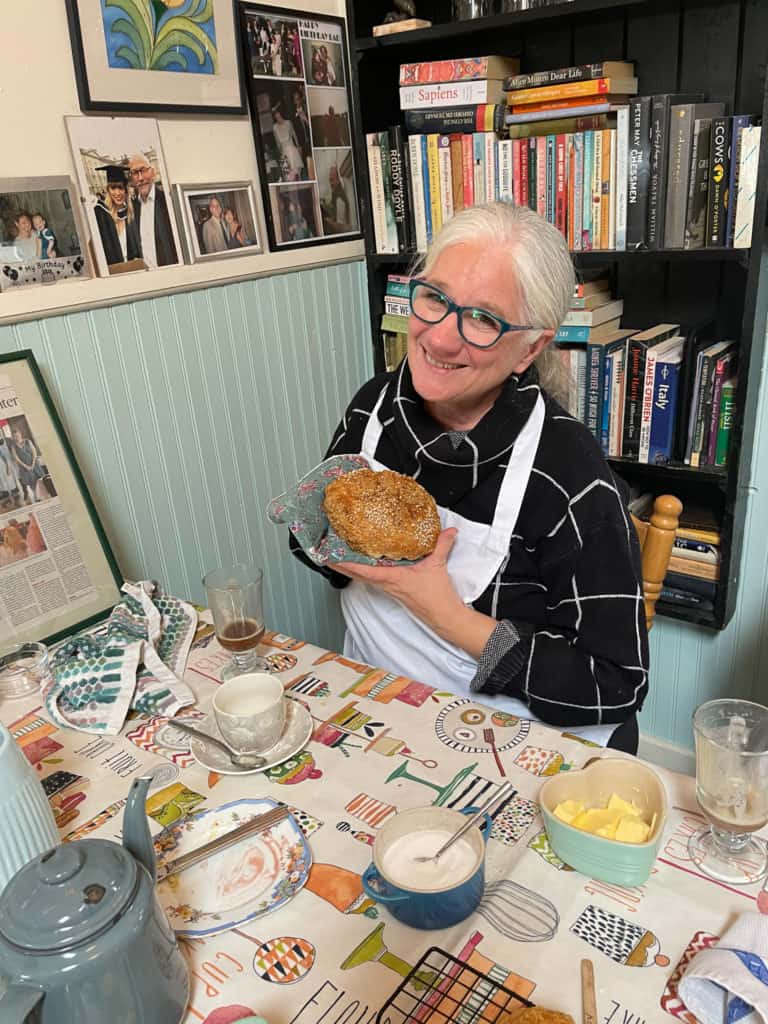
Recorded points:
(83, 938)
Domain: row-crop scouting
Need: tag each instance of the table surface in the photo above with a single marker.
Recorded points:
(383, 743)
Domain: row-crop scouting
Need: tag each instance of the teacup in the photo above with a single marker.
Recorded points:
(250, 711)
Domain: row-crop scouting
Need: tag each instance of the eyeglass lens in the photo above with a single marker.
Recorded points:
(475, 325)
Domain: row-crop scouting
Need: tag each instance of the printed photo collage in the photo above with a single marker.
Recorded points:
(297, 78)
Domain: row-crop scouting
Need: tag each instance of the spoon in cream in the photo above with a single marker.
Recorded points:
(506, 790)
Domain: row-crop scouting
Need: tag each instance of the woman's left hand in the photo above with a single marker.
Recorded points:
(425, 588)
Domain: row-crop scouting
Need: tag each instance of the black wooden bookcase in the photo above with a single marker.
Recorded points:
(717, 47)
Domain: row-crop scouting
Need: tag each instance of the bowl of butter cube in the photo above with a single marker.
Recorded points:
(606, 820)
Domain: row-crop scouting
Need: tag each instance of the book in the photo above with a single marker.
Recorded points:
(561, 184)
(577, 101)
(725, 422)
(621, 147)
(607, 198)
(459, 69)
(506, 169)
(478, 164)
(666, 383)
(638, 171)
(652, 353)
(398, 187)
(586, 198)
(395, 323)
(376, 181)
(637, 347)
(576, 191)
(532, 164)
(594, 317)
(696, 548)
(617, 359)
(416, 191)
(578, 73)
(433, 173)
(541, 175)
(390, 222)
(477, 117)
(661, 105)
(446, 177)
(626, 86)
(690, 567)
(467, 166)
(559, 113)
(685, 599)
(397, 306)
(457, 171)
(719, 169)
(595, 368)
(724, 366)
(581, 333)
(682, 118)
(738, 123)
(592, 286)
(564, 125)
(707, 359)
(451, 94)
(398, 286)
(747, 187)
(698, 185)
(425, 188)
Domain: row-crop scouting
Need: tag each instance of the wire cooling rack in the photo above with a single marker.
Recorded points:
(441, 988)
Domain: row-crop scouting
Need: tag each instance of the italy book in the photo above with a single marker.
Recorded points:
(450, 94)
(460, 69)
(577, 73)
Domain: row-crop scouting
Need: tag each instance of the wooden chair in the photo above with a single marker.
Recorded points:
(656, 540)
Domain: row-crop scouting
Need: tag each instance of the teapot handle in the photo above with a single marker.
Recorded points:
(17, 1002)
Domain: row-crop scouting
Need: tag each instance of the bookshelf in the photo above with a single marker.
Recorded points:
(716, 47)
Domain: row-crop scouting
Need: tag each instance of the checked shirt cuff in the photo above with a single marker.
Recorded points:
(502, 659)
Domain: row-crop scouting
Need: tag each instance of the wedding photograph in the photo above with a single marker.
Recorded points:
(329, 116)
(122, 177)
(285, 131)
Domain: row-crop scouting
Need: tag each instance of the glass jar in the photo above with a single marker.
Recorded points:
(24, 669)
(465, 9)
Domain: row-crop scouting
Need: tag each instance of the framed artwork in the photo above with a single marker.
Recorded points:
(57, 570)
(125, 191)
(156, 56)
(42, 240)
(297, 78)
(218, 220)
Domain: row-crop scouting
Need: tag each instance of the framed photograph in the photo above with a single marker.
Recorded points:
(57, 570)
(156, 56)
(218, 220)
(125, 191)
(42, 240)
(298, 89)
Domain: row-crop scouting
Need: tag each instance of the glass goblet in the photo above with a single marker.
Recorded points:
(731, 789)
(234, 595)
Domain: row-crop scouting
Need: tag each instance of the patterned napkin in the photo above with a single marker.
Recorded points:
(301, 508)
(729, 982)
(98, 676)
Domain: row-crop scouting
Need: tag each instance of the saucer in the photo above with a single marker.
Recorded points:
(298, 728)
(237, 884)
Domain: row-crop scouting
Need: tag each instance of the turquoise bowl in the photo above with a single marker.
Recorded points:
(606, 859)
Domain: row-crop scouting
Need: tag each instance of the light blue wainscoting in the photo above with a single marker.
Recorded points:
(188, 413)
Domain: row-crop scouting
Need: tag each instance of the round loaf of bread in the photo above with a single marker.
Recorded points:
(535, 1015)
(383, 515)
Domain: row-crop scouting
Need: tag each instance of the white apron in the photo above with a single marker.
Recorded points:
(383, 632)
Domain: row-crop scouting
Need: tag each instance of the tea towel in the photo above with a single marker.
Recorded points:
(135, 663)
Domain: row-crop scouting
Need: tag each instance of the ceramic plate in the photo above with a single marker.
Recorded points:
(237, 884)
(298, 728)
(301, 509)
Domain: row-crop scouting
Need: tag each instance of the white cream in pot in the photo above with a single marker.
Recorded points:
(455, 866)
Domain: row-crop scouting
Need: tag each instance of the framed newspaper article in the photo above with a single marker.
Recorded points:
(57, 571)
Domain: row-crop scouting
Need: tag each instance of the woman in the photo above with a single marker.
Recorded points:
(237, 235)
(532, 598)
(215, 232)
(115, 220)
(9, 479)
(291, 160)
(25, 238)
(29, 464)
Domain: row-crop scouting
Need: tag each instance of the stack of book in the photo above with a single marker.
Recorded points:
(609, 169)
(394, 322)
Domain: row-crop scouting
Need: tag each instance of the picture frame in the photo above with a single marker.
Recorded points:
(51, 537)
(135, 57)
(42, 237)
(219, 220)
(123, 183)
(298, 85)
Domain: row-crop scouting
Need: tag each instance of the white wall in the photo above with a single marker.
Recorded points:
(37, 88)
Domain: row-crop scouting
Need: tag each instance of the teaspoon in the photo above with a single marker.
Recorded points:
(241, 760)
(501, 794)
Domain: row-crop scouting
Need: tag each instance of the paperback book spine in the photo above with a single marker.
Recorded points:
(444, 120)
(719, 170)
(639, 167)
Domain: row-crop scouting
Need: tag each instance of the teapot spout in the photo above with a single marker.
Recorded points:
(137, 839)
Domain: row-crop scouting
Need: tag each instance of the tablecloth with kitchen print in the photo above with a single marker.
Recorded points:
(382, 743)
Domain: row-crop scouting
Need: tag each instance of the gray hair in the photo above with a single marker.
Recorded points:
(539, 260)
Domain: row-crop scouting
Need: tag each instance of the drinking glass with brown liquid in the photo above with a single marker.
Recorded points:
(234, 595)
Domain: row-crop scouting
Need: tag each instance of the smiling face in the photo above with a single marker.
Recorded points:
(460, 383)
(116, 191)
(38, 222)
(215, 208)
(24, 225)
(142, 175)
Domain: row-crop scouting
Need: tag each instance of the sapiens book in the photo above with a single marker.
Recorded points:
(719, 170)
(478, 117)
(459, 69)
(661, 104)
(698, 185)
(638, 171)
(450, 94)
(682, 118)
(568, 90)
(576, 73)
